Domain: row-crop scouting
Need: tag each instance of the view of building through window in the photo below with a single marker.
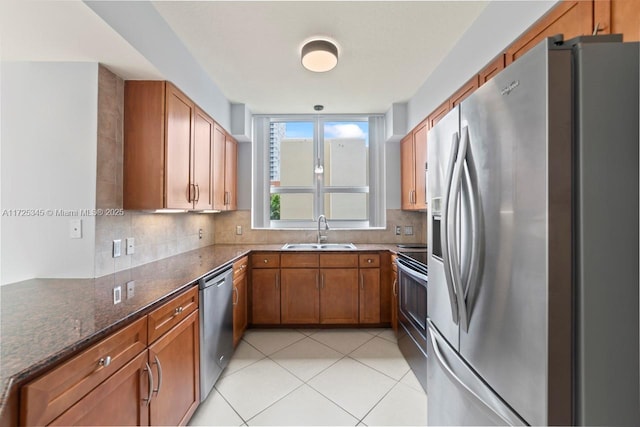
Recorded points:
(318, 167)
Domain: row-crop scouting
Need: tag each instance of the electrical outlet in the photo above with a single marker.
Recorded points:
(117, 248)
(117, 295)
(408, 230)
(131, 247)
(398, 230)
(131, 289)
(75, 228)
(238, 230)
(200, 233)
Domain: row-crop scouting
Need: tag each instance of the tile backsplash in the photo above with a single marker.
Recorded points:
(226, 222)
(156, 236)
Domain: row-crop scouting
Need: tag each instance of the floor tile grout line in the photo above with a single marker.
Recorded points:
(335, 403)
(301, 385)
(378, 402)
(230, 405)
(377, 370)
(346, 354)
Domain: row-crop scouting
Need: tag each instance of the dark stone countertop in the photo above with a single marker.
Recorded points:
(44, 321)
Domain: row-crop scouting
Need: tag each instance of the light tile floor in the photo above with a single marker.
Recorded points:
(316, 377)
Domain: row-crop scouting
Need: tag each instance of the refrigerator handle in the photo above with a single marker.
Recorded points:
(482, 393)
(443, 230)
(452, 226)
(477, 236)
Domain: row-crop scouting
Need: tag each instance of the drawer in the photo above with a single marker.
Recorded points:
(240, 266)
(265, 260)
(45, 398)
(339, 260)
(307, 260)
(162, 319)
(369, 260)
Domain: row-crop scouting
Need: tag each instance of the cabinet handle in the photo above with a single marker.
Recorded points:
(157, 362)
(105, 361)
(277, 281)
(178, 310)
(317, 281)
(369, 260)
(266, 260)
(321, 280)
(235, 289)
(197, 193)
(394, 287)
(361, 281)
(148, 369)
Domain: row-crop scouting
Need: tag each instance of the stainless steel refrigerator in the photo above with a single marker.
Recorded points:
(533, 243)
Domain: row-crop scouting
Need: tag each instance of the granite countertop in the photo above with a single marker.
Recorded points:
(43, 321)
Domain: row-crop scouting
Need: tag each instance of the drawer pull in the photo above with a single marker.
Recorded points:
(178, 310)
(105, 361)
(266, 261)
(369, 260)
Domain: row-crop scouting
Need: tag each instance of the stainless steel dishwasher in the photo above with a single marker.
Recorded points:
(216, 327)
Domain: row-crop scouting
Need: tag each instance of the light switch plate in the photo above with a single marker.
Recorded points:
(238, 230)
(398, 230)
(117, 248)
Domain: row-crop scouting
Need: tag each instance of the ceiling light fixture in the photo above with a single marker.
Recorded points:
(319, 56)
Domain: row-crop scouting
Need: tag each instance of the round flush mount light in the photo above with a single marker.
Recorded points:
(318, 107)
(319, 56)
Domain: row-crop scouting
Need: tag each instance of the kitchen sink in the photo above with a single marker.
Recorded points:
(319, 246)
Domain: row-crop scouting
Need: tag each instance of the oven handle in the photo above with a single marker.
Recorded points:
(410, 272)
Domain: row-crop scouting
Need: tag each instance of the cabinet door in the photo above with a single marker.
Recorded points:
(394, 295)
(438, 113)
(202, 160)
(467, 89)
(300, 299)
(407, 172)
(493, 68)
(179, 135)
(219, 145)
(624, 16)
(231, 173)
(265, 296)
(120, 400)
(175, 364)
(338, 295)
(239, 307)
(420, 150)
(369, 295)
(570, 18)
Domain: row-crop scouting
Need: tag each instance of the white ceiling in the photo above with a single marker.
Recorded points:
(251, 50)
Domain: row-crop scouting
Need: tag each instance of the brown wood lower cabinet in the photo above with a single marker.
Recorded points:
(300, 299)
(394, 294)
(120, 400)
(175, 363)
(265, 296)
(338, 295)
(240, 289)
(125, 379)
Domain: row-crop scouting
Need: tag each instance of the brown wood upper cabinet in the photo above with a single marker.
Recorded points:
(491, 70)
(168, 143)
(618, 17)
(569, 18)
(463, 93)
(225, 166)
(413, 159)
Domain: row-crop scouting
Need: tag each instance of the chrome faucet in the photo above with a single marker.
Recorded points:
(322, 238)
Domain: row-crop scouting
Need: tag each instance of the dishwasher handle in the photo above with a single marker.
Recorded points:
(216, 279)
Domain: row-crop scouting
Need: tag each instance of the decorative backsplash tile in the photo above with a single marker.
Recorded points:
(226, 222)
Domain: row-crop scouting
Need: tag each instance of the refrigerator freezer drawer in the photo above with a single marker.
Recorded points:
(457, 395)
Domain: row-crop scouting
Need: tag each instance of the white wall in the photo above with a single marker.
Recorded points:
(145, 29)
(49, 134)
(497, 26)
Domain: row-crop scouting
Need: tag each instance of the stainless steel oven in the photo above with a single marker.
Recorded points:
(412, 311)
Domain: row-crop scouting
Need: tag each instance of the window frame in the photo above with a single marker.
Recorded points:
(261, 188)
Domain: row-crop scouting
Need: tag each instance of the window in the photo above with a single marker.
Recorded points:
(318, 165)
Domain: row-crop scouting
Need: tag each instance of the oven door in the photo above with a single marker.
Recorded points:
(412, 301)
